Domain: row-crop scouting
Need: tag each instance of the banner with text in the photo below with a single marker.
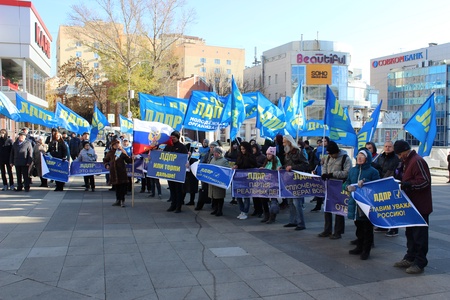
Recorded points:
(256, 183)
(167, 165)
(211, 174)
(336, 199)
(55, 168)
(298, 184)
(138, 169)
(78, 168)
(386, 205)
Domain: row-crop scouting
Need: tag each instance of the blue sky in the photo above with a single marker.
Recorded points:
(371, 28)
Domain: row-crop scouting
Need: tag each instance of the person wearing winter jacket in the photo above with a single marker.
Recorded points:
(5, 151)
(260, 159)
(87, 154)
(361, 173)
(335, 168)
(271, 163)
(217, 194)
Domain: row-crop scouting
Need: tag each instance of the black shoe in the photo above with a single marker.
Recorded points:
(112, 189)
(324, 234)
(300, 228)
(197, 208)
(233, 202)
(356, 251)
(315, 209)
(27, 189)
(354, 242)
(290, 225)
(122, 203)
(151, 195)
(177, 211)
(142, 191)
(335, 236)
(364, 256)
(171, 209)
(254, 214)
(117, 203)
(219, 214)
(17, 189)
(189, 203)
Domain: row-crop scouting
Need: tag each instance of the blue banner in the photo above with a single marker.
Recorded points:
(212, 174)
(256, 183)
(295, 112)
(33, 114)
(70, 120)
(55, 168)
(422, 125)
(204, 112)
(336, 199)
(167, 165)
(126, 125)
(251, 104)
(138, 169)
(315, 128)
(99, 121)
(155, 109)
(298, 184)
(78, 168)
(386, 205)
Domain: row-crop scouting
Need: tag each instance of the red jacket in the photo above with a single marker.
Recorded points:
(416, 172)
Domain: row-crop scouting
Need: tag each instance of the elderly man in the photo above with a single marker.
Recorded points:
(294, 160)
(21, 157)
(416, 183)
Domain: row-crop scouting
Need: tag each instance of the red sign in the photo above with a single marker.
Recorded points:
(42, 40)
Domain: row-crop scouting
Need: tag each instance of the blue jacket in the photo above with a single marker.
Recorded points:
(360, 172)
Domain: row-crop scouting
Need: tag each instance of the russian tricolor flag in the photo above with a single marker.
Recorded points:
(149, 135)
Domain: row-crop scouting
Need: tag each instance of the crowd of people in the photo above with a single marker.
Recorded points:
(327, 160)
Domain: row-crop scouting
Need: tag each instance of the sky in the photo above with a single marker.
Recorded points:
(371, 28)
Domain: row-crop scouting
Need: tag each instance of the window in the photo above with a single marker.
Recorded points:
(276, 80)
(96, 65)
(228, 62)
(78, 53)
(217, 70)
(229, 71)
(202, 70)
(96, 45)
(217, 61)
(203, 60)
(96, 55)
(78, 44)
(269, 81)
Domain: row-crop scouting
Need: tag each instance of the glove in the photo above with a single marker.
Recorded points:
(326, 176)
(64, 159)
(406, 186)
(361, 183)
(351, 188)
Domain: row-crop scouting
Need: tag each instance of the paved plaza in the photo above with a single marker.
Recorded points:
(75, 245)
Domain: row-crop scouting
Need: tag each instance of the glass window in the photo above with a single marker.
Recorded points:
(78, 44)
(78, 53)
(203, 60)
(202, 70)
(217, 61)
(228, 62)
(216, 70)
(96, 55)
(96, 64)
(229, 71)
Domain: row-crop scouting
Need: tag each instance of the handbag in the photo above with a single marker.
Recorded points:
(34, 171)
(274, 207)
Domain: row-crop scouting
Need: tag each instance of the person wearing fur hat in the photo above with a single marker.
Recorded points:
(336, 166)
(271, 163)
(115, 161)
(416, 183)
(295, 160)
(87, 154)
(361, 173)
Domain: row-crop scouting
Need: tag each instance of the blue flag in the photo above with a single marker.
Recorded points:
(251, 104)
(386, 205)
(295, 112)
(422, 125)
(308, 102)
(126, 125)
(33, 114)
(68, 119)
(237, 110)
(368, 130)
(8, 109)
(270, 119)
(99, 121)
(204, 112)
(157, 109)
(314, 128)
(340, 126)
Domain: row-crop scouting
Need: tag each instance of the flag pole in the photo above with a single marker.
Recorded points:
(132, 180)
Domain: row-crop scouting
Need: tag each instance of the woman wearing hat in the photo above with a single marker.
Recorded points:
(57, 148)
(39, 148)
(115, 161)
(271, 163)
(362, 172)
(216, 193)
(87, 154)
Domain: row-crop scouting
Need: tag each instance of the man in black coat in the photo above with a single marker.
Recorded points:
(176, 188)
(21, 156)
(5, 152)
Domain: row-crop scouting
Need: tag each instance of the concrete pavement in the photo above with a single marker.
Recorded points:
(75, 245)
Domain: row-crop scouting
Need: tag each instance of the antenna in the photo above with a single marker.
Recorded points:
(256, 62)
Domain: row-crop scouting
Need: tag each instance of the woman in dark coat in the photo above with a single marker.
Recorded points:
(191, 182)
(57, 148)
(115, 161)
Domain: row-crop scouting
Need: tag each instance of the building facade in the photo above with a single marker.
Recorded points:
(316, 64)
(24, 54)
(407, 79)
